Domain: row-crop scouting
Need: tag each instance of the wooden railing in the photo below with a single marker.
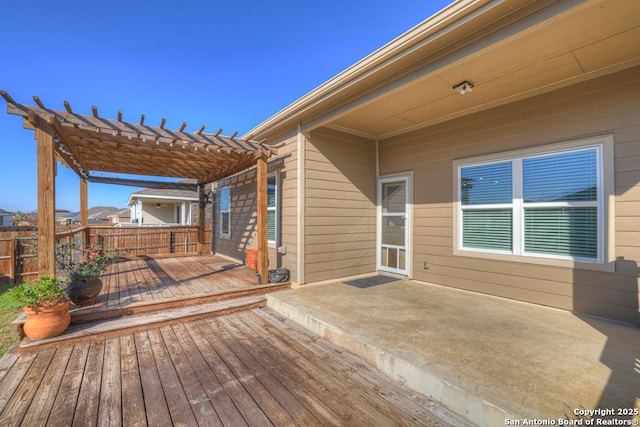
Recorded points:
(18, 259)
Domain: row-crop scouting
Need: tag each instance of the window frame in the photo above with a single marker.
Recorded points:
(226, 211)
(275, 209)
(605, 206)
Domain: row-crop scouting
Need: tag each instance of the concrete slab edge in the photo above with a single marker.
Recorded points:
(466, 404)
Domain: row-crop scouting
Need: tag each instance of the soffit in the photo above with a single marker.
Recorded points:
(597, 38)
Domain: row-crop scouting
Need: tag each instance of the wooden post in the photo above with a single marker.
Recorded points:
(13, 259)
(46, 198)
(84, 212)
(84, 208)
(201, 205)
(261, 208)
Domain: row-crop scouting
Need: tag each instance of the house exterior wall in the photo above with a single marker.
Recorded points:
(608, 105)
(340, 205)
(154, 215)
(243, 212)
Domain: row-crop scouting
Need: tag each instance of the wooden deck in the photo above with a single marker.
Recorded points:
(148, 280)
(144, 291)
(249, 368)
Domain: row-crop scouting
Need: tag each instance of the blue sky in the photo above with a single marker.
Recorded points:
(229, 64)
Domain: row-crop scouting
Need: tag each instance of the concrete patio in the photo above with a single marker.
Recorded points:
(492, 360)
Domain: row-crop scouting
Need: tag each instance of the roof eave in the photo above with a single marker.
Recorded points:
(372, 64)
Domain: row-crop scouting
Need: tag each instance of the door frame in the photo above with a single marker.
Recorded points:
(408, 178)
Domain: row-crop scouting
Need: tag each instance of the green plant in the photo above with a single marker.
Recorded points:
(93, 262)
(9, 310)
(45, 291)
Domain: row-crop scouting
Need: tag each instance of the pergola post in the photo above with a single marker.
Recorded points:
(46, 198)
(261, 208)
(84, 211)
(201, 215)
(84, 202)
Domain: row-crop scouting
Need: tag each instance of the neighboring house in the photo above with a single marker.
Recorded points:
(63, 217)
(6, 218)
(161, 206)
(123, 216)
(495, 147)
(95, 215)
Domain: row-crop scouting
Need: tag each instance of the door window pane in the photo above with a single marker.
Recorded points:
(393, 230)
(394, 197)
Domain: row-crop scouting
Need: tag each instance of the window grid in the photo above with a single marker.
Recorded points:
(225, 212)
(520, 209)
(273, 202)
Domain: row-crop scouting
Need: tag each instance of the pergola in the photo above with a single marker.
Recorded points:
(91, 143)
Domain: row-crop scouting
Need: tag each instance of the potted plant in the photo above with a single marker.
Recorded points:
(46, 306)
(84, 275)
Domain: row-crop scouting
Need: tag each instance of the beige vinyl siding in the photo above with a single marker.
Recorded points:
(154, 215)
(243, 212)
(608, 105)
(340, 205)
(288, 208)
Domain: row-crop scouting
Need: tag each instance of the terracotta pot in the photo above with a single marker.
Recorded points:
(252, 259)
(47, 322)
(84, 289)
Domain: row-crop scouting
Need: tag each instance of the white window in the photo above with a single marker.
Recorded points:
(273, 226)
(545, 205)
(225, 212)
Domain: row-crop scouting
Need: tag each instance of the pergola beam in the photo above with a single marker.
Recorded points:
(144, 183)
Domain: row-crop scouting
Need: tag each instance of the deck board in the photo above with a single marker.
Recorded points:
(156, 407)
(86, 412)
(68, 394)
(224, 406)
(17, 406)
(149, 280)
(38, 412)
(202, 408)
(110, 406)
(245, 404)
(132, 396)
(177, 401)
(245, 368)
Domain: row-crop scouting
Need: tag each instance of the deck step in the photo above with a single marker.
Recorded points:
(80, 314)
(141, 321)
(83, 315)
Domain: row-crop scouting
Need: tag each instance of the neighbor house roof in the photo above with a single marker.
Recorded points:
(96, 213)
(122, 213)
(165, 193)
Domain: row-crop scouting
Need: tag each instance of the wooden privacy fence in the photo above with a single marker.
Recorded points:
(18, 260)
(139, 241)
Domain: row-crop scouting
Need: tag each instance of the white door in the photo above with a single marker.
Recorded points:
(394, 201)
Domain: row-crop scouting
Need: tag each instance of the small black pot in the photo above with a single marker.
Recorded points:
(279, 275)
(84, 290)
